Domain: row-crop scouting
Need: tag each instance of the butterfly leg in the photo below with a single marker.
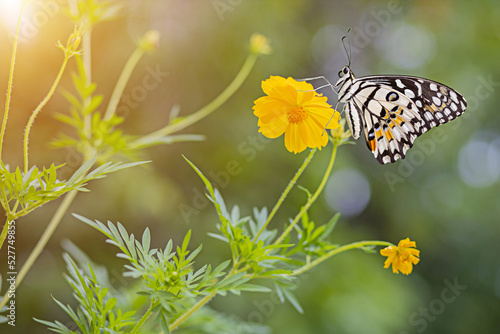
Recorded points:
(328, 84)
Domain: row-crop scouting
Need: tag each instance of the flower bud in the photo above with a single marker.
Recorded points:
(150, 41)
(259, 44)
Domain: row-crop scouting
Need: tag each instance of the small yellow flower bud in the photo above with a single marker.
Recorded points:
(340, 133)
(259, 44)
(150, 40)
(73, 42)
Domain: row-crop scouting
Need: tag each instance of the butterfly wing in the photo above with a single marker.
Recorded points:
(395, 110)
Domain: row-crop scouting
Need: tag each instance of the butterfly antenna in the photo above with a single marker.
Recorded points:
(348, 53)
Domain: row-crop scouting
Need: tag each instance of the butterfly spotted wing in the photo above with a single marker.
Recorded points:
(393, 110)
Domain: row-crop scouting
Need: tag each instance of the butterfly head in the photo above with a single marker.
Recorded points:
(346, 70)
(345, 80)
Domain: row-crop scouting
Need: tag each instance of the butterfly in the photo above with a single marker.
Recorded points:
(393, 110)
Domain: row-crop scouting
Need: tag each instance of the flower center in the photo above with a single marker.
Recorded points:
(403, 255)
(297, 115)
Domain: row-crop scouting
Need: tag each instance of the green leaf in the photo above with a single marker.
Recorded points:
(204, 179)
(275, 272)
(227, 282)
(218, 236)
(221, 267)
(146, 239)
(71, 99)
(253, 287)
(56, 326)
(293, 300)
(330, 226)
(66, 119)
(148, 142)
(67, 309)
(309, 195)
(194, 254)
(110, 303)
(185, 242)
(279, 246)
(80, 173)
(110, 168)
(164, 322)
(95, 102)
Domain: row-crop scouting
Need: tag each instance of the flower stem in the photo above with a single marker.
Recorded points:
(11, 78)
(39, 108)
(313, 198)
(285, 193)
(145, 317)
(193, 309)
(49, 230)
(335, 251)
(122, 82)
(206, 110)
(205, 299)
(4, 232)
(87, 67)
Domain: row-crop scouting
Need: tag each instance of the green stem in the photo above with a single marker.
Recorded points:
(341, 249)
(122, 82)
(284, 194)
(314, 197)
(6, 203)
(39, 108)
(206, 110)
(11, 78)
(86, 54)
(4, 232)
(87, 66)
(49, 230)
(204, 300)
(145, 317)
(193, 309)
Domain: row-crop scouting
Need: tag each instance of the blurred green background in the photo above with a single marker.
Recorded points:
(444, 195)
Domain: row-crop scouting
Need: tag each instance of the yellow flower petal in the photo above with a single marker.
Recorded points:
(304, 89)
(293, 143)
(334, 122)
(273, 128)
(279, 88)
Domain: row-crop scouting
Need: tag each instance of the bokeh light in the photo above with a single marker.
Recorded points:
(348, 192)
(9, 13)
(479, 160)
(407, 46)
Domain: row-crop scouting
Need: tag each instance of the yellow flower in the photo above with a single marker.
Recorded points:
(294, 108)
(402, 257)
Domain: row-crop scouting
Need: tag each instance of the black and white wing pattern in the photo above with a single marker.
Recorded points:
(393, 110)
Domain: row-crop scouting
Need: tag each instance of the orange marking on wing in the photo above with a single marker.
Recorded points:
(434, 108)
(389, 135)
(398, 120)
(372, 144)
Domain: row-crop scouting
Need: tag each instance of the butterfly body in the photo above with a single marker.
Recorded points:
(393, 110)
